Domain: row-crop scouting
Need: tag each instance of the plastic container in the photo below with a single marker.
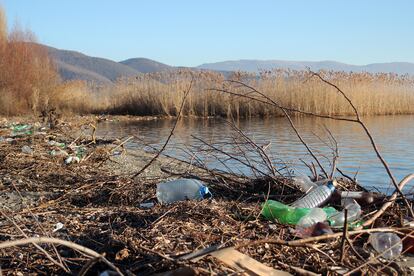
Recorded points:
(314, 216)
(389, 245)
(27, 150)
(316, 197)
(354, 213)
(304, 183)
(275, 210)
(181, 189)
(364, 198)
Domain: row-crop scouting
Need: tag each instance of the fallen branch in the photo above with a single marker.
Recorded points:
(69, 244)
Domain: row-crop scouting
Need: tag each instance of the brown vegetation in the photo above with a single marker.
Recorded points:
(161, 93)
(27, 76)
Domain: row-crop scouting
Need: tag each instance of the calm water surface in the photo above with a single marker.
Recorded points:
(393, 134)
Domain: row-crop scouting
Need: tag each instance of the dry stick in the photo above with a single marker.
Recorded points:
(61, 265)
(69, 244)
(391, 200)
(303, 242)
(171, 132)
(384, 163)
(344, 237)
(261, 150)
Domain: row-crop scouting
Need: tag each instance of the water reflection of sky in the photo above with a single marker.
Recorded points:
(393, 134)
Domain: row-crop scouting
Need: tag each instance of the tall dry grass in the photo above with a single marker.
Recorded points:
(28, 77)
(161, 93)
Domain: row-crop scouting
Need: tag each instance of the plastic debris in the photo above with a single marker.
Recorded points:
(147, 205)
(275, 210)
(316, 197)
(57, 144)
(304, 183)
(181, 189)
(58, 153)
(354, 213)
(26, 149)
(318, 229)
(72, 159)
(388, 244)
(58, 226)
(21, 130)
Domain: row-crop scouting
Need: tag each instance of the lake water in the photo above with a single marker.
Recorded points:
(393, 135)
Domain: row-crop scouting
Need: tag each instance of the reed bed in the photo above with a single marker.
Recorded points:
(161, 93)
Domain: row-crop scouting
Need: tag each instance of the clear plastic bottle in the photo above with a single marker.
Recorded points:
(181, 189)
(315, 215)
(354, 212)
(388, 244)
(304, 183)
(27, 149)
(316, 197)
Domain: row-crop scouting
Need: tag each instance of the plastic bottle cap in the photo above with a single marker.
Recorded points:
(203, 191)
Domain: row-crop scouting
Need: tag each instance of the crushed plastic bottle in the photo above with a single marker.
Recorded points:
(388, 244)
(354, 212)
(26, 149)
(275, 210)
(57, 144)
(181, 189)
(21, 130)
(316, 197)
(314, 216)
(72, 159)
(304, 183)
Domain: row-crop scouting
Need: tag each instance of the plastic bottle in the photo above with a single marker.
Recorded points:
(316, 197)
(275, 210)
(27, 149)
(389, 245)
(363, 198)
(314, 216)
(354, 212)
(304, 183)
(181, 189)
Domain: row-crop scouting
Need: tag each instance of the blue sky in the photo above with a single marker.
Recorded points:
(193, 32)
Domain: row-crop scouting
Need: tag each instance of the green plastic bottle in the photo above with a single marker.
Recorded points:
(284, 214)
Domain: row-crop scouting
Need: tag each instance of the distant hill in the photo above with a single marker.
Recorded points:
(145, 65)
(256, 65)
(75, 65)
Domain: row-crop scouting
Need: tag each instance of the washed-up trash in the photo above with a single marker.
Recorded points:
(363, 198)
(317, 196)
(388, 244)
(72, 159)
(181, 189)
(20, 130)
(147, 205)
(245, 264)
(58, 153)
(304, 183)
(58, 226)
(26, 149)
(314, 216)
(354, 213)
(275, 210)
(57, 144)
(318, 229)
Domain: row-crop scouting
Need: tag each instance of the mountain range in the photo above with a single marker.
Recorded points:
(74, 65)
